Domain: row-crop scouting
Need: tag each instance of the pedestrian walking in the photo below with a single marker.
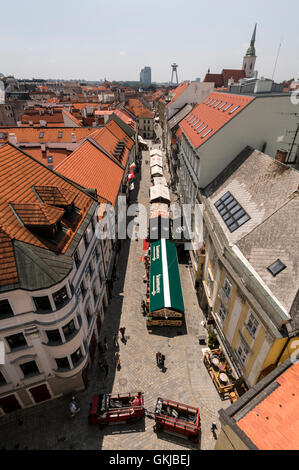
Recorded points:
(106, 343)
(213, 427)
(158, 358)
(117, 358)
(162, 362)
(122, 332)
(74, 407)
(115, 340)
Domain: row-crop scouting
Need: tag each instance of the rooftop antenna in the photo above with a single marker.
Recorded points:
(276, 59)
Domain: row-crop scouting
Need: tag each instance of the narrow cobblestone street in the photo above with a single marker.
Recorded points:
(186, 379)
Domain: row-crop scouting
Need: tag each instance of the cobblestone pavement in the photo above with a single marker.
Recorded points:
(186, 379)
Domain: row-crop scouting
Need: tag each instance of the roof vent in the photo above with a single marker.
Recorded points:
(276, 267)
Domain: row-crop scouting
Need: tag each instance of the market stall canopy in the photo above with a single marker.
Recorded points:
(156, 171)
(160, 180)
(156, 160)
(159, 209)
(165, 283)
(156, 152)
(159, 193)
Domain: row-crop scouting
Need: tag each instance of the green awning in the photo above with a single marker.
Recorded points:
(165, 283)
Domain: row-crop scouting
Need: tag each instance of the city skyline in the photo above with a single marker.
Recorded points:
(73, 46)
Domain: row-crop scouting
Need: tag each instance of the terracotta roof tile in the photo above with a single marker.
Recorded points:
(37, 214)
(91, 168)
(205, 120)
(274, 423)
(8, 269)
(136, 107)
(178, 91)
(18, 174)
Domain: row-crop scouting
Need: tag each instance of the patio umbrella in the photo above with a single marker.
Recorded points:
(132, 166)
(131, 176)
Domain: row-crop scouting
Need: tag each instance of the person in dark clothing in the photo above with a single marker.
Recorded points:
(122, 332)
(115, 340)
(158, 358)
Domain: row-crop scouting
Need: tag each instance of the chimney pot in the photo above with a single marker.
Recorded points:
(73, 137)
(12, 138)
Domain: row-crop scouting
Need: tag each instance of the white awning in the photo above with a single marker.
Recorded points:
(156, 160)
(159, 193)
(156, 171)
(156, 152)
(160, 180)
(159, 209)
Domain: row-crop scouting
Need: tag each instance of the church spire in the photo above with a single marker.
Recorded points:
(251, 49)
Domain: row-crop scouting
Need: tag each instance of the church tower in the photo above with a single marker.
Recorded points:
(250, 57)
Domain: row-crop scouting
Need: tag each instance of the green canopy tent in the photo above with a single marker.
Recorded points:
(166, 298)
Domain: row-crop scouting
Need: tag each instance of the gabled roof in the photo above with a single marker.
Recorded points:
(138, 109)
(37, 214)
(92, 168)
(236, 74)
(19, 173)
(45, 134)
(211, 115)
(178, 91)
(267, 191)
(55, 196)
(72, 117)
(273, 423)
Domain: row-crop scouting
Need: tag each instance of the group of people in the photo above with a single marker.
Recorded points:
(102, 349)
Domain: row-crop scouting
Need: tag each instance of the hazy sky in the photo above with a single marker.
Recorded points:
(94, 39)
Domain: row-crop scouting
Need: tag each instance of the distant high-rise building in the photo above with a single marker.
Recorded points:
(146, 76)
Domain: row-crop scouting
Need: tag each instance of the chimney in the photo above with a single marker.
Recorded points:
(281, 155)
(73, 137)
(12, 138)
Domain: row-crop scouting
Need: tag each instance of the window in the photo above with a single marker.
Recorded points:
(242, 352)
(76, 356)
(50, 159)
(60, 297)
(16, 341)
(59, 135)
(234, 109)
(214, 259)
(41, 135)
(252, 325)
(2, 379)
(202, 129)
(88, 315)
(206, 133)
(223, 104)
(276, 267)
(29, 368)
(54, 336)
(222, 312)
(231, 212)
(210, 284)
(77, 259)
(5, 309)
(69, 329)
(62, 363)
(227, 107)
(42, 304)
(227, 288)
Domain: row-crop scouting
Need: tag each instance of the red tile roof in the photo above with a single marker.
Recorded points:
(232, 73)
(205, 120)
(216, 78)
(32, 134)
(274, 423)
(125, 117)
(37, 213)
(178, 91)
(19, 173)
(72, 117)
(91, 168)
(136, 107)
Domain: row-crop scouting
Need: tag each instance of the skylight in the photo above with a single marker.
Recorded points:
(209, 100)
(204, 127)
(196, 121)
(223, 104)
(227, 107)
(198, 125)
(234, 109)
(41, 135)
(217, 104)
(59, 135)
(189, 118)
(206, 133)
(231, 212)
(276, 267)
(211, 104)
